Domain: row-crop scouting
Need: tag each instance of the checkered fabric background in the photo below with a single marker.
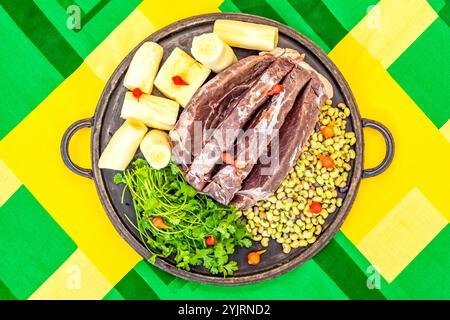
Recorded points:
(56, 242)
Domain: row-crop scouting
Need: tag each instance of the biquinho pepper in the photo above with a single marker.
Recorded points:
(159, 223)
(327, 131)
(210, 241)
(179, 81)
(137, 93)
(315, 207)
(254, 258)
(327, 162)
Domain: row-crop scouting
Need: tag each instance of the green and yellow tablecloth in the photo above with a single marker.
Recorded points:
(56, 240)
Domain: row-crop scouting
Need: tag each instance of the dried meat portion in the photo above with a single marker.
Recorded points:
(228, 180)
(227, 131)
(211, 101)
(264, 179)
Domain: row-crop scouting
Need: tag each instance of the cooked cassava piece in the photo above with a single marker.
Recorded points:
(123, 145)
(156, 148)
(180, 76)
(143, 67)
(155, 112)
(247, 35)
(212, 52)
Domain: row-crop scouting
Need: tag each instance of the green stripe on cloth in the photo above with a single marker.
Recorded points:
(32, 244)
(276, 8)
(102, 19)
(92, 13)
(437, 5)
(156, 280)
(360, 260)
(67, 3)
(319, 17)
(428, 275)
(88, 8)
(133, 287)
(43, 34)
(258, 7)
(5, 293)
(308, 281)
(296, 21)
(167, 278)
(85, 5)
(27, 77)
(228, 6)
(343, 270)
(444, 13)
(349, 12)
(113, 294)
(423, 73)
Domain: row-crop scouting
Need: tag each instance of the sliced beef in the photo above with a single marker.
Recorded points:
(227, 131)
(298, 126)
(225, 107)
(228, 180)
(209, 102)
(298, 58)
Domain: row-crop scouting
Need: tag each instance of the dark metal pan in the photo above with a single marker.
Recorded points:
(107, 120)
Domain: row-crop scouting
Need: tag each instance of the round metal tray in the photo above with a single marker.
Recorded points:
(107, 120)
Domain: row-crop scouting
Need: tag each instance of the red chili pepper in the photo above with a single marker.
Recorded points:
(276, 89)
(179, 81)
(137, 93)
(315, 207)
(327, 162)
(210, 241)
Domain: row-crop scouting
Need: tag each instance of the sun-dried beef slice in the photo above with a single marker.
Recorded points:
(265, 126)
(205, 101)
(294, 133)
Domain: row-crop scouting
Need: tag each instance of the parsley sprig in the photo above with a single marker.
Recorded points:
(191, 216)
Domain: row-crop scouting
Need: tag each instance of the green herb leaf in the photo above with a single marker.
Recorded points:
(191, 216)
(118, 178)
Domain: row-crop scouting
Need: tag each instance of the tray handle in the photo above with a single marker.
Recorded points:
(84, 123)
(390, 148)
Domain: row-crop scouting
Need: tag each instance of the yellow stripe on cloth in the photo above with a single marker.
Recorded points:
(392, 26)
(107, 56)
(8, 183)
(445, 130)
(402, 234)
(31, 151)
(162, 13)
(420, 147)
(77, 278)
